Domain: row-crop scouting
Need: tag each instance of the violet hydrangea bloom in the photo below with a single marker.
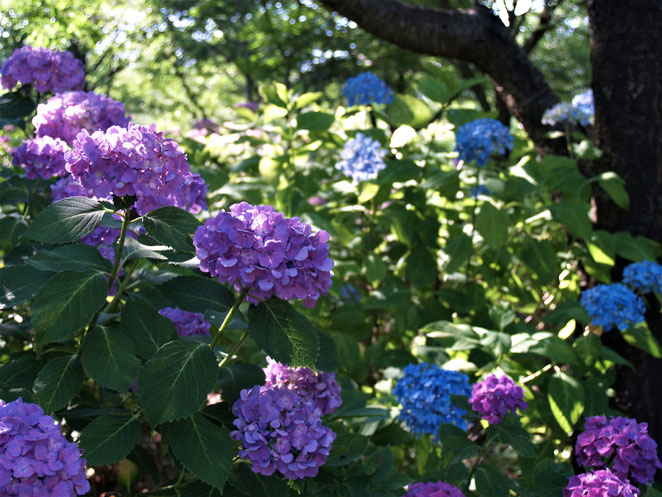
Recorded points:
(601, 483)
(321, 388)
(496, 395)
(136, 160)
(433, 489)
(258, 248)
(633, 451)
(477, 140)
(186, 323)
(46, 69)
(365, 89)
(35, 457)
(41, 157)
(363, 158)
(645, 276)
(64, 115)
(613, 305)
(280, 430)
(425, 390)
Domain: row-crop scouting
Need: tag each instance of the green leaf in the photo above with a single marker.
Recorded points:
(549, 478)
(109, 358)
(175, 382)
(492, 224)
(58, 382)
(20, 373)
(307, 99)
(574, 216)
(11, 230)
(615, 188)
(490, 482)
(510, 432)
(250, 483)
(66, 303)
(283, 333)
(409, 110)
(109, 438)
(640, 336)
(434, 89)
(204, 448)
(566, 400)
(15, 108)
(77, 257)
(276, 93)
(147, 328)
(636, 249)
(540, 258)
(233, 378)
(329, 357)
(601, 247)
(198, 294)
(315, 121)
(554, 348)
(172, 226)
(347, 447)
(133, 249)
(399, 171)
(18, 284)
(66, 220)
(454, 441)
(421, 266)
(457, 251)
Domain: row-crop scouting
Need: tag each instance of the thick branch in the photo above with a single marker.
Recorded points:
(474, 35)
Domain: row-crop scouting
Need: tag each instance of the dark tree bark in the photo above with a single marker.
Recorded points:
(626, 55)
(475, 36)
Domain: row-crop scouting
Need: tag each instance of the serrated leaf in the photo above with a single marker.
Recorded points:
(109, 358)
(329, 357)
(172, 226)
(490, 482)
(510, 432)
(175, 382)
(233, 378)
(492, 224)
(147, 328)
(20, 373)
(250, 483)
(454, 441)
(77, 257)
(18, 284)
(283, 333)
(66, 220)
(133, 249)
(197, 294)
(58, 382)
(109, 438)
(566, 400)
(11, 229)
(66, 303)
(204, 448)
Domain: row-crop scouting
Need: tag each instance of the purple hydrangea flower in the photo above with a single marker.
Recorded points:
(433, 489)
(280, 430)
(365, 89)
(425, 390)
(46, 69)
(613, 305)
(35, 457)
(139, 161)
(645, 276)
(479, 139)
(601, 483)
(633, 451)
(259, 248)
(187, 323)
(494, 396)
(363, 158)
(64, 115)
(321, 388)
(41, 157)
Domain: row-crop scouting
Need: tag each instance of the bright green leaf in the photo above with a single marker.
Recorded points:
(566, 400)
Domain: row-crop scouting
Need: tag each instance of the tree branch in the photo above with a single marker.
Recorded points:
(544, 25)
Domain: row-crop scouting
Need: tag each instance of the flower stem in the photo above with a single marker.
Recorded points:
(234, 350)
(228, 317)
(120, 248)
(568, 141)
(467, 273)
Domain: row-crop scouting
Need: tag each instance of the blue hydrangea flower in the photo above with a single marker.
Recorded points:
(478, 140)
(479, 190)
(365, 89)
(425, 390)
(584, 102)
(363, 158)
(613, 305)
(565, 113)
(644, 276)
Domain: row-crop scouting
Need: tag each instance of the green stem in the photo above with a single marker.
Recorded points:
(467, 273)
(228, 317)
(234, 350)
(568, 141)
(481, 452)
(120, 248)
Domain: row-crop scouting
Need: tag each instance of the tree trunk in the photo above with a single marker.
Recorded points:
(626, 55)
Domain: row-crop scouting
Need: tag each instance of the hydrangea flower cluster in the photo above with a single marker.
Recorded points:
(425, 390)
(363, 158)
(321, 388)
(584, 102)
(634, 452)
(64, 115)
(46, 69)
(136, 160)
(186, 323)
(41, 157)
(565, 113)
(477, 140)
(645, 276)
(433, 489)
(613, 305)
(35, 457)
(258, 248)
(601, 483)
(365, 89)
(280, 430)
(479, 190)
(496, 395)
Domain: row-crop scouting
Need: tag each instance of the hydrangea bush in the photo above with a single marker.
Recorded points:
(309, 335)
